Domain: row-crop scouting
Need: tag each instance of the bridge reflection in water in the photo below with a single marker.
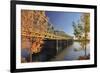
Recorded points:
(51, 48)
(52, 45)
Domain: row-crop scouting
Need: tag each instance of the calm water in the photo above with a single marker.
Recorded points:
(72, 52)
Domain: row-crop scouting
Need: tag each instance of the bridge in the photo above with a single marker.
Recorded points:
(54, 41)
(46, 35)
(36, 24)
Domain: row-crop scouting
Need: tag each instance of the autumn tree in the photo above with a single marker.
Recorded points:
(85, 20)
(33, 26)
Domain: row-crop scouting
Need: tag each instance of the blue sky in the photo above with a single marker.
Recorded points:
(63, 20)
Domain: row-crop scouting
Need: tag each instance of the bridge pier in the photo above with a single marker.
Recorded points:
(53, 47)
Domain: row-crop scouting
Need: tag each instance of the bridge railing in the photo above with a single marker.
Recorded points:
(45, 35)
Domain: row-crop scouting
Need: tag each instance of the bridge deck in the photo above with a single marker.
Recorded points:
(46, 35)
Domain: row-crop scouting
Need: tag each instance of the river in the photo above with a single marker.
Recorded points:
(72, 52)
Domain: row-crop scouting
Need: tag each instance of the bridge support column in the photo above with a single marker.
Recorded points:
(57, 46)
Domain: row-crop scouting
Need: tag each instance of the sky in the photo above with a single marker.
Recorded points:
(63, 20)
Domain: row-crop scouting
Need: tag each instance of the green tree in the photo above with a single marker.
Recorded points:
(81, 30)
(78, 30)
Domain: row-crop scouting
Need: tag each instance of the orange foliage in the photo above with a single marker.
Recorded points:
(33, 21)
(36, 46)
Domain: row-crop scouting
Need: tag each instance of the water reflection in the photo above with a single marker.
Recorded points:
(73, 54)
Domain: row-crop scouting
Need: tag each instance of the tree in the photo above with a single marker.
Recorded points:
(33, 22)
(78, 30)
(85, 19)
(81, 30)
